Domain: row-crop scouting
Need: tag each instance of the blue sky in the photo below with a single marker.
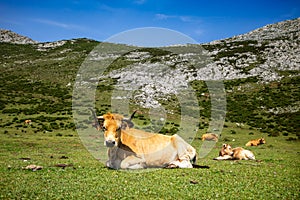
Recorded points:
(204, 21)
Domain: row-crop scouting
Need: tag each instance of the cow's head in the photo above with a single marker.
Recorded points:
(262, 141)
(227, 150)
(112, 124)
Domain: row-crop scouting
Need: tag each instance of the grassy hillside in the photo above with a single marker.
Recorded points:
(37, 82)
(34, 85)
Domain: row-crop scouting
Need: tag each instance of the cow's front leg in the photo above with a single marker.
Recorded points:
(133, 162)
(113, 164)
(180, 164)
(113, 161)
(225, 157)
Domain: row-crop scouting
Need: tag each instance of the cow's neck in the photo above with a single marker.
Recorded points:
(125, 138)
(125, 141)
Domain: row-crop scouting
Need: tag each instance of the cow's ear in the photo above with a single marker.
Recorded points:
(97, 120)
(98, 124)
(127, 124)
(101, 122)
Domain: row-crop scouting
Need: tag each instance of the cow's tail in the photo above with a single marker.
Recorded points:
(194, 159)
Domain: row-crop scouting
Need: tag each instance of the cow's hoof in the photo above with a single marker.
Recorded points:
(172, 166)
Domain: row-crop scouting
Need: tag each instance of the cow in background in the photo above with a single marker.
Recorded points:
(238, 153)
(27, 122)
(256, 142)
(209, 137)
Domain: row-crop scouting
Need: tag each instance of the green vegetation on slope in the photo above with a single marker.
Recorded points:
(37, 85)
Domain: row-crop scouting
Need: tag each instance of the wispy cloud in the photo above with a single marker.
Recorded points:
(160, 16)
(182, 18)
(111, 9)
(188, 19)
(139, 1)
(9, 21)
(57, 24)
(199, 32)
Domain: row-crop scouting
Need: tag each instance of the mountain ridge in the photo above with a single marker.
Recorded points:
(261, 78)
(267, 32)
(12, 37)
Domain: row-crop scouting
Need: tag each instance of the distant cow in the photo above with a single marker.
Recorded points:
(256, 142)
(238, 153)
(130, 148)
(27, 122)
(209, 137)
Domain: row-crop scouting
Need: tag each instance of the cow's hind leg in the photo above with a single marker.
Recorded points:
(185, 153)
(133, 162)
(248, 155)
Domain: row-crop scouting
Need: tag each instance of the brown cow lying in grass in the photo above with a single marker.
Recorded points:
(238, 153)
(27, 122)
(130, 148)
(256, 142)
(209, 137)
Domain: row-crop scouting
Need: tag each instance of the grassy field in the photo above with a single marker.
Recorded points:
(36, 85)
(274, 175)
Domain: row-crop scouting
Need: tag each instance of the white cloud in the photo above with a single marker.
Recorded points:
(52, 23)
(57, 24)
(182, 18)
(163, 16)
(199, 32)
(9, 21)
(139, 1)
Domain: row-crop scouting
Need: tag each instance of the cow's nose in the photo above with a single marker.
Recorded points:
(110, 143)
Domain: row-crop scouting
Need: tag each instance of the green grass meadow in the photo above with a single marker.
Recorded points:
(37, 85)
(274, 175)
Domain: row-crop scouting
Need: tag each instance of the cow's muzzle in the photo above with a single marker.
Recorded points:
(110, 143)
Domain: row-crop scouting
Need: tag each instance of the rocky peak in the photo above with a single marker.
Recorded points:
(12, 37)
(288, 29)
(285, 29)
(268, 54)
(263, 53)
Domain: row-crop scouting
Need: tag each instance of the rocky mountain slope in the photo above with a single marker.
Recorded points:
(268, 54)
(259, 70)
(264, 52)
(12, 37)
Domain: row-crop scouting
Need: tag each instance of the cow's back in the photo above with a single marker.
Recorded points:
(156, 149)
(144, 142)
(242, 154)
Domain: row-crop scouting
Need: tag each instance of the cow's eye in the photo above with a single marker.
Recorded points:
(103, 128)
